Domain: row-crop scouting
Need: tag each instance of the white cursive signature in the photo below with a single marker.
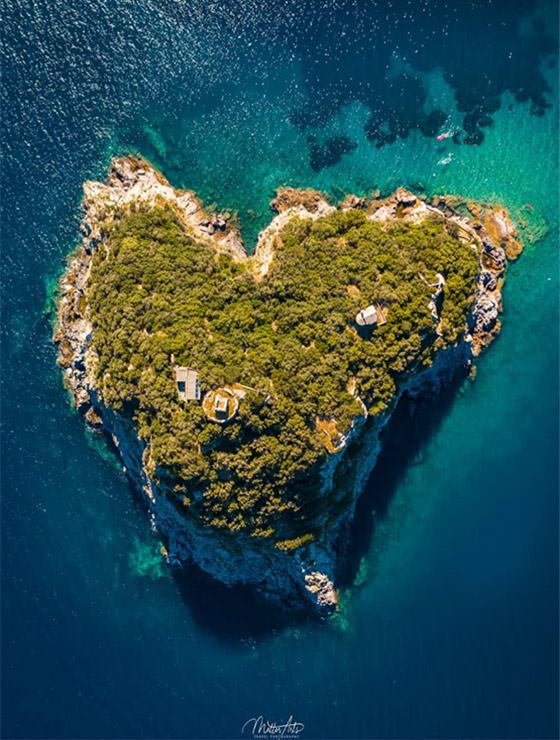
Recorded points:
(262, 728)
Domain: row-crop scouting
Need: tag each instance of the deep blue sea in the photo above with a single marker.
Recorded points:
(449, 619)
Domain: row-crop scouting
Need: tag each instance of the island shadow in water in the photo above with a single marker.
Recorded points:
(403, 441)
(232, 613)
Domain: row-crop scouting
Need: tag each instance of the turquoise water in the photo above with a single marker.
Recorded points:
(450, 629)
(501, 170)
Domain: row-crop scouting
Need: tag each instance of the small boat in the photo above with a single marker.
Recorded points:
(443, 136)
(446, 160)
(528, 205)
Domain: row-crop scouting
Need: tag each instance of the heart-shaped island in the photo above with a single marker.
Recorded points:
(246, 394)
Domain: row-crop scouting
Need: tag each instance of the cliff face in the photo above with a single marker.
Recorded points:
(307, 571)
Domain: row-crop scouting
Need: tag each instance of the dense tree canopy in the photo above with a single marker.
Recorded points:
(155, 290)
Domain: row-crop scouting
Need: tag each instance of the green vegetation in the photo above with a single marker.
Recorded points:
(155, 290)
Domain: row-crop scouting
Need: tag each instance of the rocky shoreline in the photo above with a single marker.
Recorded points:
(306, 575)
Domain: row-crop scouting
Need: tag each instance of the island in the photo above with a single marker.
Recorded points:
(246, 394)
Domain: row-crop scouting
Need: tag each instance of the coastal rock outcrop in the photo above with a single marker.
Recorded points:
(289, 204)
(133, 182)
(299, 569)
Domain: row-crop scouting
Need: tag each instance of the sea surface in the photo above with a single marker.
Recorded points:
(449, 618)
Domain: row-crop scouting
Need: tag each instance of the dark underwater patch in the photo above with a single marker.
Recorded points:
(326, 155)
(347, 54)
(473, 123)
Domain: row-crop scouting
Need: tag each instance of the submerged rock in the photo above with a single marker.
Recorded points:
(328, 154)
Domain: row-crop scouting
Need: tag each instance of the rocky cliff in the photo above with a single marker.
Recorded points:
(305, 574)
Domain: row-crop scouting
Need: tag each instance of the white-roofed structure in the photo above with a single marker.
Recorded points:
(221, 405)
(367, 316)
(187, 383)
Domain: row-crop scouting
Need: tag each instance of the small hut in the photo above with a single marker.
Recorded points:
(221, 405)
(367, 316)
(187, 383)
